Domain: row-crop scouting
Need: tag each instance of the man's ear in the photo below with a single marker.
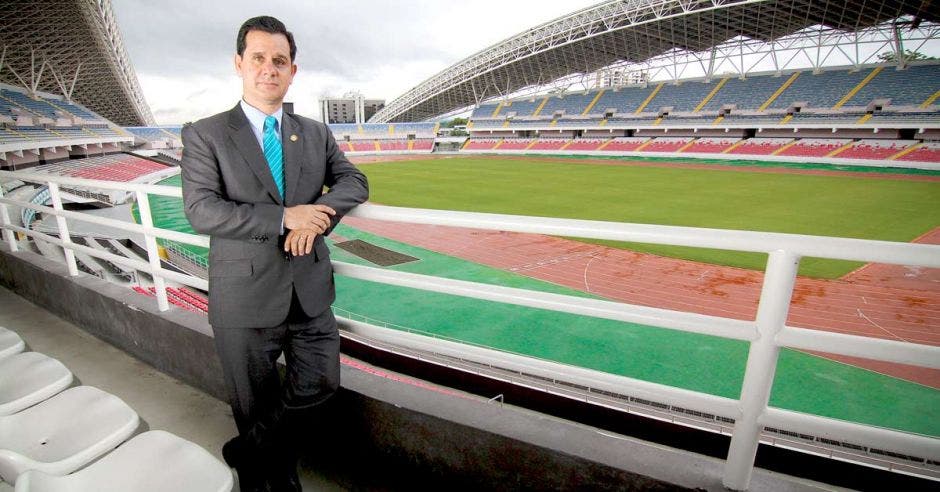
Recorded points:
(238, 64)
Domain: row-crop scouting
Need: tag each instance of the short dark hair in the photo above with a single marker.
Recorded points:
(267, 24)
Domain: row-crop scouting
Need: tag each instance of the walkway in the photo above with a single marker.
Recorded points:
(161, 401)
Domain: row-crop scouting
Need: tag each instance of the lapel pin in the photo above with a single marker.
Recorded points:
(293, 138)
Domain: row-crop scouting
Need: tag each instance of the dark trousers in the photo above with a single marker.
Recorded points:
(270, 412)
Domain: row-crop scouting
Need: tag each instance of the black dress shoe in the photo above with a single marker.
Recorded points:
(285, 481)
(238, 456)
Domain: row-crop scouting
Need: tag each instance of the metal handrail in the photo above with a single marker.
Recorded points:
(766, 334)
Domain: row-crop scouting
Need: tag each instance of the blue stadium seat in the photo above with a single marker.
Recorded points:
(747, 94)
(40, 107)
(822, 90)
(909, 87)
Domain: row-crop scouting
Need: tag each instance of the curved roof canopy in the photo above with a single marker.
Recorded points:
(73, 48)
(618, 31)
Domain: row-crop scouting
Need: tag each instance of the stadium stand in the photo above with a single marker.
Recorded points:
(631, 120)
(363, 146)
(393, 145)
(524, 107)
(709, 145)
(115, 167)
(875, 149)
(382, 137)
(826, 90)
(910, 117)
(481, 144)
(624, 100)
(759, 146)
(550, 144)
(909, 87)
(926, 152)
(585, 144)
(515, 144)
(666, 144)
(879, 97)
(490, 123)
(812, 147)
(627, 144)
(38, 107)
(748, 93)
(569, 105)
(179, 297)
(150, 133)
(684, 97)
(422, 144)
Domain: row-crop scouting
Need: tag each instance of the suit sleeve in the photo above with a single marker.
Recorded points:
(348, 186)
(205, 203)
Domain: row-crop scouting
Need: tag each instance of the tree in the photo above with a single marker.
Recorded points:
(890, 56)
(454, 122)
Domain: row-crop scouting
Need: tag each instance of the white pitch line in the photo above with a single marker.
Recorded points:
(586, 266)
(889, 332)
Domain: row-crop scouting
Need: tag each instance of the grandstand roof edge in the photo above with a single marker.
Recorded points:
(428, 98)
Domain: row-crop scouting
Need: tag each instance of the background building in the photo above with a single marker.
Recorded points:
(351, 108)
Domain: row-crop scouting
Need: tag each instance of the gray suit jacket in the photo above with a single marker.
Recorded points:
(229, 194)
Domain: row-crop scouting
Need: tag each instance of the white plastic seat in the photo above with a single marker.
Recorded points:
(10, 343)
(28, 378)
(155, 461)
(64, 433)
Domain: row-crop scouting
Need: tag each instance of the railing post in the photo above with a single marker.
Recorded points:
(775, 296)
(64, 235)
(153, 253)
(5, 221)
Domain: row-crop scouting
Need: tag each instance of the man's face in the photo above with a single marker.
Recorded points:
(266, 68)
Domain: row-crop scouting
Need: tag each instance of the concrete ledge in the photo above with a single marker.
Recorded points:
(177, 342)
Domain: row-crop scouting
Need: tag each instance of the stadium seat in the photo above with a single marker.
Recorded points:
(10, 343)
(624, 144)
(585, 144)
(29, 378)
(760, 146)
(814, 147)
(666, 144)
(928, 152)
(515, 144)
(155, 461)
(63, 433)
(875, 149)
(710, 145)
(550, 144)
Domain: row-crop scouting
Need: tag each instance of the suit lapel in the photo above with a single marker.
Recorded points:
(293, 155)
(244, 139)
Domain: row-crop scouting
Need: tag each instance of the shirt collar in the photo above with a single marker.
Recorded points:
(256, 117)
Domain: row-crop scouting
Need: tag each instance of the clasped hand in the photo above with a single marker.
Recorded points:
(304, 223)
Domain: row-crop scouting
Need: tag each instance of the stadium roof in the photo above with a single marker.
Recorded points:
(633, 31)
(73, 48)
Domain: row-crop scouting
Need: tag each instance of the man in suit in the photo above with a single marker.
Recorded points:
(253, 179)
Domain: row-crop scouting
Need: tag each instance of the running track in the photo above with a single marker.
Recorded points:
(878, 300)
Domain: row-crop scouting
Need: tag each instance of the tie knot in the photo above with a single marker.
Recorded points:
(270, 123)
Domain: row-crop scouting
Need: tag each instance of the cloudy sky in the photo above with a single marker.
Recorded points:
(182, 50)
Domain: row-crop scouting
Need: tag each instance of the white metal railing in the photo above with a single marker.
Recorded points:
(767, 334)
(146, 227)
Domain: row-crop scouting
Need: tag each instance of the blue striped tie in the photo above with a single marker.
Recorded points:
(273, 152)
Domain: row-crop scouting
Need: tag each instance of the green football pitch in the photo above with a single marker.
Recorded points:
(866, 207)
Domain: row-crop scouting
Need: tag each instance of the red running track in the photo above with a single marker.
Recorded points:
(879, 301)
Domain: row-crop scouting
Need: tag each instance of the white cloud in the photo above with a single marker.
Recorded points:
(182, 50)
